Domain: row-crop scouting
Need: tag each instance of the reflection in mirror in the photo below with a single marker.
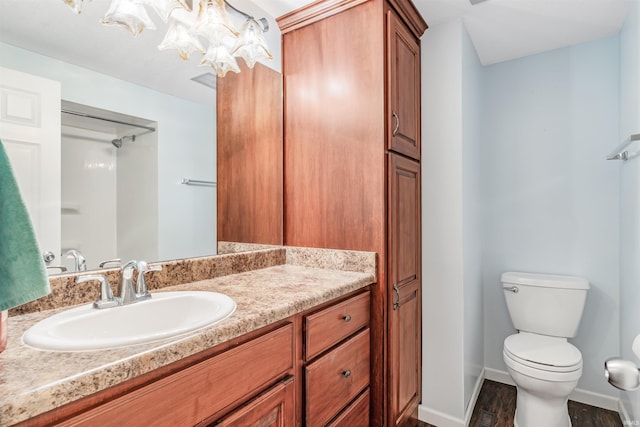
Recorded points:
(104, 216)
(104, 70)
(250, 157)
(182, 147)
(235, 247)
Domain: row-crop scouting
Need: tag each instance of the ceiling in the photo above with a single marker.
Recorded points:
(499, 29)
(507, 29)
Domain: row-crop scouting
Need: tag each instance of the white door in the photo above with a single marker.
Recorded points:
(30, 131)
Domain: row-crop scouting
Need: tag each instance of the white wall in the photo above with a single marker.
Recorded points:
(453, 344)
(473, 310)
(88, 176)
(186, 145)
(630, 200)
(137, 197)
(442, 240)
(550, 199)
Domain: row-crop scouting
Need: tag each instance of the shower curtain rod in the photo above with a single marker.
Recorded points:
(75, 113)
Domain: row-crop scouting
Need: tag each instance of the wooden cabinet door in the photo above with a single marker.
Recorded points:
(404, 288)
(403, 97)
(274, 408)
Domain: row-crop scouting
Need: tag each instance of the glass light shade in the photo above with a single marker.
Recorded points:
(187, 4)
(75, 5)
(187, 23)
(130, 14)
(251, 45)
(213, 22)
(180, 38)
(219, 58)
(164, 7)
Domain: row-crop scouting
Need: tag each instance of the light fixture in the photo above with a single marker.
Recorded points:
(181, 38)
(250, 44)
(75, 5)
(129, 14)
(189, 23)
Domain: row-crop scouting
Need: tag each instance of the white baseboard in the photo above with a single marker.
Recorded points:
(595, 399)
(498, 376)
(474, 398)
(578, 395)
(624, 415)
(441, 419)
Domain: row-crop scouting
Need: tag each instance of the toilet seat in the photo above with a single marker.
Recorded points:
(542, 356)
(541, 374)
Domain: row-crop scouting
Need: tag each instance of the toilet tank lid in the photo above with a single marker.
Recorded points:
(545, 280)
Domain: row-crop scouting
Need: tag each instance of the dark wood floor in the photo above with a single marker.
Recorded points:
(496, 407)
(415, 423)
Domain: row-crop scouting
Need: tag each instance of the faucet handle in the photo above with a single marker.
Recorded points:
(141, 285)
(79, 259)
(62, 268)
(144, 266)
(106, 299)
(116, 261)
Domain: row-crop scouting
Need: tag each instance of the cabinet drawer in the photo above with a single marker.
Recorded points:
(336, 378)
(356, 414)
(274, 408)
(195, 393)
(333, 324)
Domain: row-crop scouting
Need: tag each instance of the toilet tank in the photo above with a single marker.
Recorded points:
(545, 304)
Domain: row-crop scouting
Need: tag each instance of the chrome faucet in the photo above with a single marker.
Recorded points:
(129, 293)
(142, 292)
(80, 260)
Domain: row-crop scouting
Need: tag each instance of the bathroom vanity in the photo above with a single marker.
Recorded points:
(295, 352)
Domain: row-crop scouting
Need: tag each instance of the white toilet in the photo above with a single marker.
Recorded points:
(546, 310)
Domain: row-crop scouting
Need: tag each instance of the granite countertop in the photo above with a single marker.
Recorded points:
(33, 382)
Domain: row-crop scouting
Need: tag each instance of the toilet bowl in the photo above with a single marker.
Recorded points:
(546, 368)
(544, 385)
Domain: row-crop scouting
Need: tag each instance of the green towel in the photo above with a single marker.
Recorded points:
(23, 276)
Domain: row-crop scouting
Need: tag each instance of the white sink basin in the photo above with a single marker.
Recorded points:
(165, 315)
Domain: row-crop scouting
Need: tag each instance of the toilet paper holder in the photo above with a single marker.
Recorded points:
(622, 374)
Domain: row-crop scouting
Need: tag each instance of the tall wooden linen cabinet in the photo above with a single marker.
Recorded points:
(351, 81)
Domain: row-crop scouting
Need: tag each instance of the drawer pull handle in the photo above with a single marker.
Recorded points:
(346, 373)
(396, 119)
(346, 318)
(396, 303)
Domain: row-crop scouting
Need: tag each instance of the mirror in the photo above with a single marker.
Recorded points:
(105, 72)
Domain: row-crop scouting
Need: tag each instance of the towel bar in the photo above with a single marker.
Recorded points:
(187, 181)
(621, 153)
